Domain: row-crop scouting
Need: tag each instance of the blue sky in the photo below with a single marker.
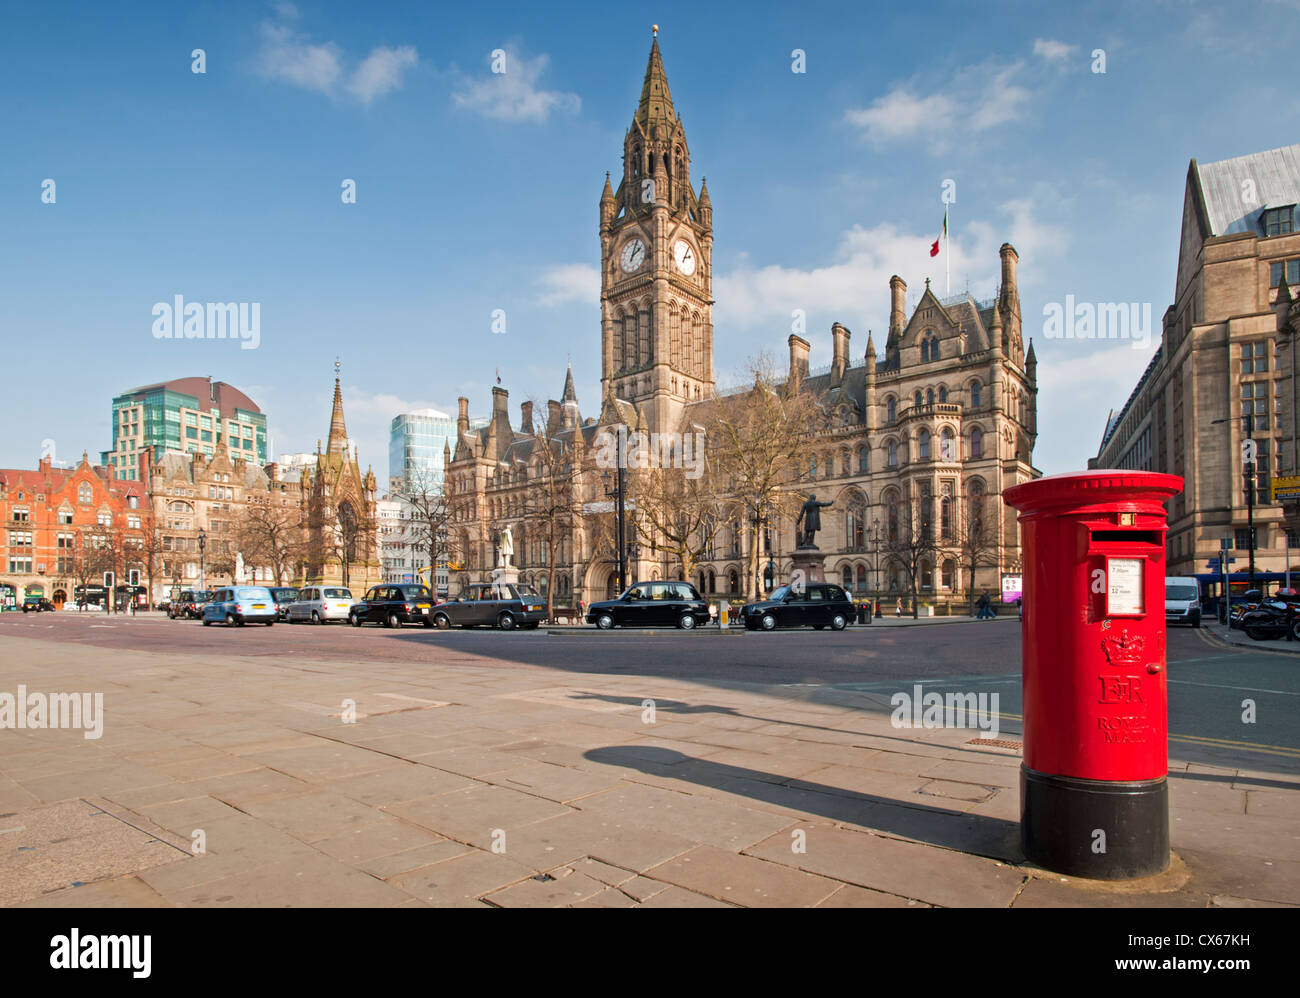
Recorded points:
(478, 191)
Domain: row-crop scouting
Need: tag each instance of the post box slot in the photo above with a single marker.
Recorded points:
(1127, 536)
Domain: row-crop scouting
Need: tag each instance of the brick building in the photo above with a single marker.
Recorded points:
(63, 528)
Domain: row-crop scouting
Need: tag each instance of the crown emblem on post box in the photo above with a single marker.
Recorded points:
(1123, 649)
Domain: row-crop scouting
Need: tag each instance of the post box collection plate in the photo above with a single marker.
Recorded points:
(1124, 587)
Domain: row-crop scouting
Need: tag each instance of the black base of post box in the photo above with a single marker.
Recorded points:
(1061, 816)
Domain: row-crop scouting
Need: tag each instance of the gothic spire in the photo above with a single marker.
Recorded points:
(569, 394)
(338, 441)
(656, 104)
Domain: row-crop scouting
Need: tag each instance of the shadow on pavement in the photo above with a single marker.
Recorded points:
(979, 835)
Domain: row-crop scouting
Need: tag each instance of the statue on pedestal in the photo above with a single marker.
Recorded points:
(811, 518)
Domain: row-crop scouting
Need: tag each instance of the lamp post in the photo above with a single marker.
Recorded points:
(760, 521)
(1249, 455)
(875, 566)
(203, 543)
(618, 493)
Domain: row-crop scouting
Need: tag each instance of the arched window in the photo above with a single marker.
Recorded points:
(893, 454)
(891, 519)
(923, 445)
(975, 394)
(830, 465)
(927, 574)
(977, 442)
(949, 573)
(864, 459)
(916, 399)
(929, 396)
(945, 518)
(855, 524)
(733, 582)
(943, 393)
(713, 582)
(812, 467)
(848, 577)
(891, 407)
(85, 494)
(947, 446)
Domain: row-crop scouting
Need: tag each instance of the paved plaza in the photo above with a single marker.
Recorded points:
(454, 777)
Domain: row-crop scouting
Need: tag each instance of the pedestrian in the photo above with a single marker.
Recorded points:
(985, 609)
(898, 607)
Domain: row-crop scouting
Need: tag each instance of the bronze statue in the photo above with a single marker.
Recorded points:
(811, 518)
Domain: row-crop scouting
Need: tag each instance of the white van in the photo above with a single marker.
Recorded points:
(1182, 601)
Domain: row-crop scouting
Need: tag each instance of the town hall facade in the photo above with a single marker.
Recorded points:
(937, 427)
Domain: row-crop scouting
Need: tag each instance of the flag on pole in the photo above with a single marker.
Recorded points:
(934, 246)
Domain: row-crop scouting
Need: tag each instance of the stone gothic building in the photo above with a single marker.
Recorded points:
(331, 499)
(936, 429)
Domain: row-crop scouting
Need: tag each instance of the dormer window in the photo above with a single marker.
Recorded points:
(1279, 221)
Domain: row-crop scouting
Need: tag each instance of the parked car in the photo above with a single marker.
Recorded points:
(817, 604)
(652, 604)
(36, 603)
(283, 596)
(240, 605)
(502, 605)
(190, 604)
(393, 606)
(321, 604)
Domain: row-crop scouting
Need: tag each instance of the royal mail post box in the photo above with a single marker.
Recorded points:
(1094, 801)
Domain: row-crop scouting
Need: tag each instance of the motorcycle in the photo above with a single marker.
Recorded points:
(1272, 619)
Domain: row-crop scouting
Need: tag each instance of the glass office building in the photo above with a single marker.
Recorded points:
(185, 415)
(415, 445)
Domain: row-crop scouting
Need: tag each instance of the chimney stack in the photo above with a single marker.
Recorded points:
(897, 305)
(798, 358)
(462, 415)
(839, 352)
(526, 418)
(1009, 258)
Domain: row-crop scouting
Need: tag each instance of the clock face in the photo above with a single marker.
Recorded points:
(685, 257)
(633, 256)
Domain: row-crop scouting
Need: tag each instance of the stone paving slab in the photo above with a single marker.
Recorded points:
(736, 795)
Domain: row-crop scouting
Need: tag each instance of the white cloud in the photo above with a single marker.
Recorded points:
(901, 114)
(854, 286)
(973, 100)
(570, 282)
(1053, 51)
(380, 72)
(292, 57)
(514, 95)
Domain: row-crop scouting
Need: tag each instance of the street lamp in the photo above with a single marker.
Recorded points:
(618, 493)
(1250, 488)
(875, 566)
(203, 543)
(760, 522)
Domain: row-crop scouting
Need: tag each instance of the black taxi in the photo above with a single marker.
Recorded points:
(816, 604)
(393, 605)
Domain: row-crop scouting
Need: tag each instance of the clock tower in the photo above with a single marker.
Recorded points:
(656, 274)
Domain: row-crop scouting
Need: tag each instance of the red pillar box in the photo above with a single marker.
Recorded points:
(1094, 801)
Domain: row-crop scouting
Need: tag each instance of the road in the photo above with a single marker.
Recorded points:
(1211, 688)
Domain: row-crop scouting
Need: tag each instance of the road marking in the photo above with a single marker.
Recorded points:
(1244, 689)
(1282, 750)
(6, 831)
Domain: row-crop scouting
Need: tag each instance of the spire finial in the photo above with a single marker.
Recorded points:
(654, 29)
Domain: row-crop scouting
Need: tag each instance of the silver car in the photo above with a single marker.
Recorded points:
(321, 604)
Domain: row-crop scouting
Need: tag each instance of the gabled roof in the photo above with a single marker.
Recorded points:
(1272, 175)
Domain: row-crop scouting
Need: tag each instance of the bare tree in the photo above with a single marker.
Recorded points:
(674, 492)
(977, 542)
(756, 441)
(549, 499)
(427, 510)
(912, 542)
(270, 536)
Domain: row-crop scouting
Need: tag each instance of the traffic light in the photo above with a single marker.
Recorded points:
(133, 577)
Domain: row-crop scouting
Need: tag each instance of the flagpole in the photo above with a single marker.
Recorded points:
(947, 257)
